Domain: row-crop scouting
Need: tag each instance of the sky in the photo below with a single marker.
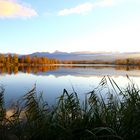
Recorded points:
(28, 26)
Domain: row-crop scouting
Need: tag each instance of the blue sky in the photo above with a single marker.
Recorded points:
(69, 25)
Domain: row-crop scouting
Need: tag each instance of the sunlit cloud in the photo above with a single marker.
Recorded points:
(13, 9)
(85, 7)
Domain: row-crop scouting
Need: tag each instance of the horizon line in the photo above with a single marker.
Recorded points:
(76, 52)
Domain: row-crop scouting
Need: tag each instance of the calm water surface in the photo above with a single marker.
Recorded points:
(51, 80)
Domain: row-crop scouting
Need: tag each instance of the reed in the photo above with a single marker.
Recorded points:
(112, 116)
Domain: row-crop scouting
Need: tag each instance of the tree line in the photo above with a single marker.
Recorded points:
(127, 61)
(15, 60)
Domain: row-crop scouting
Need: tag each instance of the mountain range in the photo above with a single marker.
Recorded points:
(107, 56)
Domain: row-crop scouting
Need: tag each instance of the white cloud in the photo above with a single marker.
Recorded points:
(13, 9)
(85, 7)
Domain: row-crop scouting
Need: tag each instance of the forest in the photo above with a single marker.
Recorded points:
(15, 60)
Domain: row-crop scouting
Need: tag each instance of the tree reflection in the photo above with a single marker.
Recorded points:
(27, 69)
(44, 69)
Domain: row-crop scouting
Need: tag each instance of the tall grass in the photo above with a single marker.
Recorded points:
(112, 116)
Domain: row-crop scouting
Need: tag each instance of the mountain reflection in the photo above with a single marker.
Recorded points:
(45, 69)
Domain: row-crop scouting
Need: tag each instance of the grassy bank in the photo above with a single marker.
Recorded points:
(114, 116)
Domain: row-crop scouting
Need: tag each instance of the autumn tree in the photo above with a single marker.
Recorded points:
(2, 58)
(22, 59)
(15, 59)
(28, 59)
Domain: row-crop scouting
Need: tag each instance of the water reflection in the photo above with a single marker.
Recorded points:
(44, 69)
(52, 79)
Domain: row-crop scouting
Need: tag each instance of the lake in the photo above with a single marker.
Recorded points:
(51, 80)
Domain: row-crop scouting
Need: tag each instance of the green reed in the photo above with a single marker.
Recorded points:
(112, 116)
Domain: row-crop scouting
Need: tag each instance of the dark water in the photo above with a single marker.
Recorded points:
(51, 80)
